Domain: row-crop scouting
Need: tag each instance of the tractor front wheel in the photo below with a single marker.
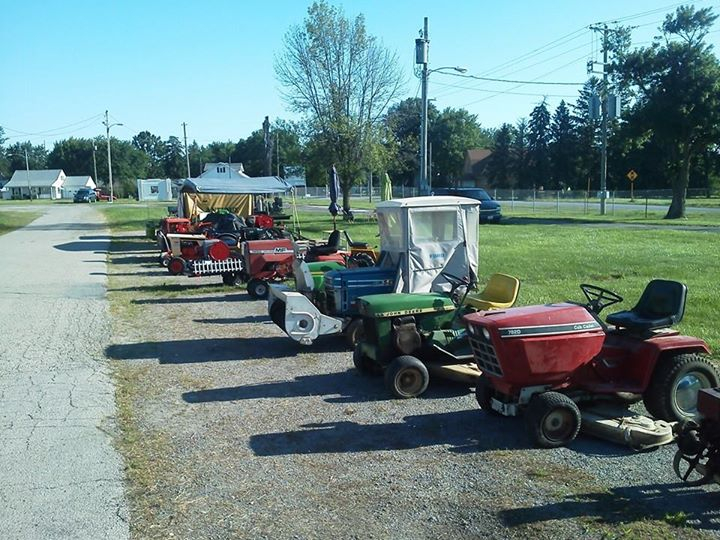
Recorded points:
(258, 289)
(363, 363)
(484, 392)
(232, 278)
(553, 419)
(176, 266)
(406, 377)
(673, 390)
(354, 333)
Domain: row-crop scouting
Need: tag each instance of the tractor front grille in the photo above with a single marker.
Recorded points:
(200, 267)
(485, 356)
(370, 330)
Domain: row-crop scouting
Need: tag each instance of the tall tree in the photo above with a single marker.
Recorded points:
(154, 148)
(677, 85)
(342, 79)
(453, 133)
(36, 154)
(587, 129)
(521, 155)
(403, 120)
(538, 145)
(563, 149)
(74, 156)
(501, 162)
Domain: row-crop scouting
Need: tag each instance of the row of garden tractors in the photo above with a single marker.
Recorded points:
(560, 365)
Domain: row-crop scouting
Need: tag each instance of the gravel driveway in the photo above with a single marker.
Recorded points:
(61, 477)
(234, 431)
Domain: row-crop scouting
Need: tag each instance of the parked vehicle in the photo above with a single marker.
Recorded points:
(545, 361)
(409, 336)
(85, 195)
(697, 460)
(490, 210)
(420, 238)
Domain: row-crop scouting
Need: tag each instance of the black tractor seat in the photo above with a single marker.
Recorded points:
(661, 305)
(356, 245)
(332, 246)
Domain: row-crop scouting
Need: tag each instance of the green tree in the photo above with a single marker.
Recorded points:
(37, 156)
(173, 158)
(521, 155)
(538, 145)
(342, 79)
(154, 149)
(501, 161)
(74, 156)
(453, 133)
(677, 95)
(563, 149)
(4, 163)
(587, 135)
(403, 121)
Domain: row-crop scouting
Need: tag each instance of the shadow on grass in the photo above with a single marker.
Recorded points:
(621, 505)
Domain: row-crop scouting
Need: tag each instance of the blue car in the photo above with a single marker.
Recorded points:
(490, 210)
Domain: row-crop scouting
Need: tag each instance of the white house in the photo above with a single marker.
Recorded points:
(72, 184)
(223, 171)
(43, 184)
(154, 189)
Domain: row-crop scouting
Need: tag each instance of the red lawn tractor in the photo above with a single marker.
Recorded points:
(547, 361)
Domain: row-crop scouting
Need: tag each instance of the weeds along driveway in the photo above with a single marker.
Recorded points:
(231, 430)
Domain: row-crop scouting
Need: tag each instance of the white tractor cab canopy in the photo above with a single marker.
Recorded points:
(424, 236)
(420, 238)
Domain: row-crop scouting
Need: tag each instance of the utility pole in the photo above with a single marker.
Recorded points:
(421, 57)
(187, 156)
(277, 151)
(108, 125)
(95, 164)
(27, 174)
(268, 146)
(604, 122)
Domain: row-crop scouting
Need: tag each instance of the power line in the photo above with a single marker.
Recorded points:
(503, 92)
(546, 83)
(51, 131)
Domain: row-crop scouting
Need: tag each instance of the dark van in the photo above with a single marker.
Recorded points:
(490, 210)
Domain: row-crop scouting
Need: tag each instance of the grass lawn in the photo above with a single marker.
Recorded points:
(552, 260)
(10, 220)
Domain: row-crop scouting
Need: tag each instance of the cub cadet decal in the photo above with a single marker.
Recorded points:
(550, 330)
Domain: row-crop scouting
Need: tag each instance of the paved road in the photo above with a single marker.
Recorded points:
(61, 477)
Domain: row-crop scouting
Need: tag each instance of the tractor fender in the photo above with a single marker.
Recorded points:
(657, 348)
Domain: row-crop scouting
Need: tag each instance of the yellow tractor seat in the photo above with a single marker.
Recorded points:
(500, 292)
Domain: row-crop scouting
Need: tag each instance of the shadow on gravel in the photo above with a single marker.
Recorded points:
(93, 245)
(192, 351)
(239, 297)
(465, 431)
(109, 237)
(84, 227)
(343, 387)
(238, 320)
(621, 505)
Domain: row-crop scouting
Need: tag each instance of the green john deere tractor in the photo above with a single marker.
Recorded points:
(409, 336)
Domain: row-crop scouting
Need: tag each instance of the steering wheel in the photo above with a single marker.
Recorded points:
(458, 287)
(599, 298)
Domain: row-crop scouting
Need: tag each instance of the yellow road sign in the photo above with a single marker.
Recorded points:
(632, 175)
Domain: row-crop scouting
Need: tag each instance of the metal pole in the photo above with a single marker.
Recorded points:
(423, 120)
(277, 151)
(187, 156)
(603, 155)
(27, 174)
(95, 164)
(110, 178)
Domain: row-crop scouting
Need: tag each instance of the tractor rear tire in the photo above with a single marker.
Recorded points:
(354, 333)
(406, 377)
(552, 419)
(672, 392)
(364, 364)
(176, 266)
(484, 392)
(258, 289)
(361, 260)
(277, 313)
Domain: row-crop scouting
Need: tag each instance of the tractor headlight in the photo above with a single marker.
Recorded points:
(486, 334)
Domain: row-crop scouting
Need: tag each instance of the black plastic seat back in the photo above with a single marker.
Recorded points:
(661, 305)
(332, 246)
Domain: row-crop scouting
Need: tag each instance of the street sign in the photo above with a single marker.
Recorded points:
(632, 175)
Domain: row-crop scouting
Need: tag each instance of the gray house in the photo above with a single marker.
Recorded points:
(44, 184)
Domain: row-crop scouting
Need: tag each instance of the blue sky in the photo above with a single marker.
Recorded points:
(156, 64)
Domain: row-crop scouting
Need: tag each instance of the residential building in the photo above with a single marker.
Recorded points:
(72, 184)
(42, 184)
